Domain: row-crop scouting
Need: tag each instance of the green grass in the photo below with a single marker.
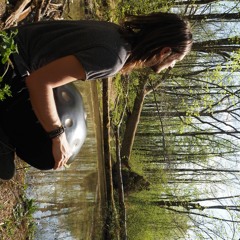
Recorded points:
(21, 218)
(7, 47)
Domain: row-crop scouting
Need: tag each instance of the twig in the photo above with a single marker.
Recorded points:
(19, 12)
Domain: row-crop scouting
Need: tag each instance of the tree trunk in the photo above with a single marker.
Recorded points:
(132, 123)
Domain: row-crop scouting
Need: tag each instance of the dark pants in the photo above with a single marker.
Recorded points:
(22, 127)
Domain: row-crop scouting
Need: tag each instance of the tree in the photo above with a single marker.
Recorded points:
(183, 125)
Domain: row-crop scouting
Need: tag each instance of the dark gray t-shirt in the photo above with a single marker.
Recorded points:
(98, 45)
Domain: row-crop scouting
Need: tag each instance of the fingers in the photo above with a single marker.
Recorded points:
(59, 164)
(61, 151)
(62, 162)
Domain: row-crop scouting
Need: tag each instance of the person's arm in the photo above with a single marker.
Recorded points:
(40, 84)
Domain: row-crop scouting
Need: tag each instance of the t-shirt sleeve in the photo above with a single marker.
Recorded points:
(99, 62)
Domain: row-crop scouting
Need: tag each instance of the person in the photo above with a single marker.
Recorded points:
(55, 53)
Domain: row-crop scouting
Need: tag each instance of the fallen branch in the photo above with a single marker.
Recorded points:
(20, 12)
(43, 9)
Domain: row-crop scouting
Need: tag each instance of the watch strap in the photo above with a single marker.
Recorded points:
(56, 132)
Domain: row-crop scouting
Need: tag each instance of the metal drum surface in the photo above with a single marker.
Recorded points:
(71, 111)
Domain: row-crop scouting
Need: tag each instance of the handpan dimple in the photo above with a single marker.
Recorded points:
(68, 122)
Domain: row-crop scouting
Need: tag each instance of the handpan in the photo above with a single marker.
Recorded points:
(71, 111)
(27, 135)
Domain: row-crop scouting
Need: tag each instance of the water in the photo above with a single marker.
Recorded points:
(67, 200)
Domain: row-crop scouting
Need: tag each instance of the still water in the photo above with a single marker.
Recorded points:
(67, 200)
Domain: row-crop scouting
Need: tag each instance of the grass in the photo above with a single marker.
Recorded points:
(15, 209)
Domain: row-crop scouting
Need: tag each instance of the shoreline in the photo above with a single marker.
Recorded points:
(101, 187)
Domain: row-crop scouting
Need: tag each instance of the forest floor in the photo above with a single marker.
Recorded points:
(14, 207)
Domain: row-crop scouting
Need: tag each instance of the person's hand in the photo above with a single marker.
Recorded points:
(61, 151)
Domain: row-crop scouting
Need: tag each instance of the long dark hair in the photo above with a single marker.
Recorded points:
(149, 34)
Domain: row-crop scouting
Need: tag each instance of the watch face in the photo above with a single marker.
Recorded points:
(71, 111)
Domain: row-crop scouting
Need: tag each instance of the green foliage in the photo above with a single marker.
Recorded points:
(22, 216)
(118, 100)
(146, 221)
(124, 95)
(235, 61)
(7, 47)
(139, 7)
(193, 99)
(197, 98)
(4, 91)
(137, 163)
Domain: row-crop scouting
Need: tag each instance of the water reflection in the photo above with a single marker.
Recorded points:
(66, 199)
